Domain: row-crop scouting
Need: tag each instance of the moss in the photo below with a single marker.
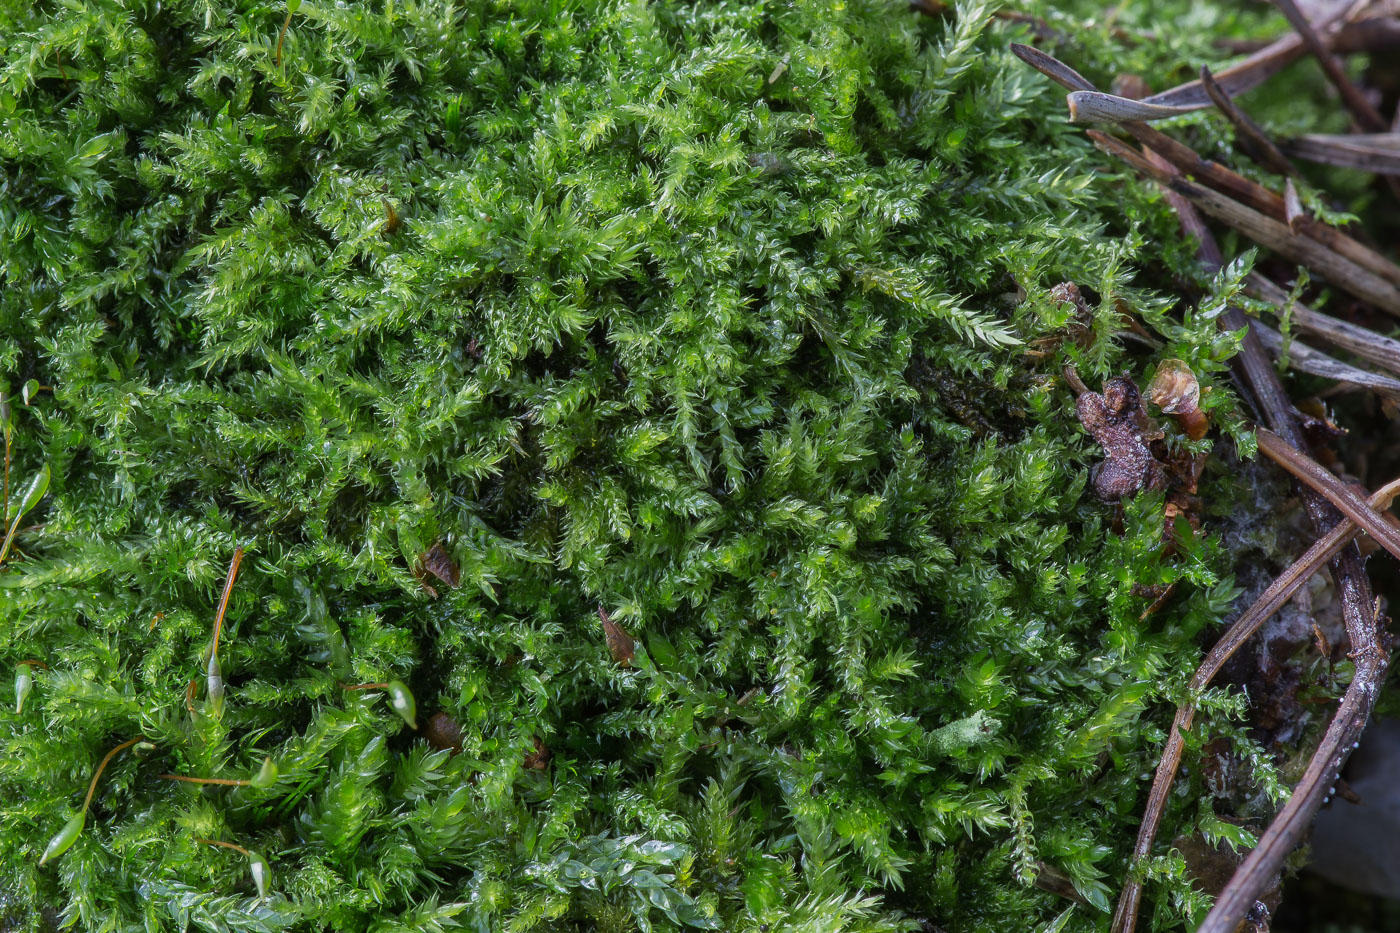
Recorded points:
(713, 315)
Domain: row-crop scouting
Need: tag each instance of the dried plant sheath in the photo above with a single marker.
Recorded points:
(1375, 152)
(1098, 107)
(1367, 344)
(1052, 68)
(1305, 359)
(1294, 214)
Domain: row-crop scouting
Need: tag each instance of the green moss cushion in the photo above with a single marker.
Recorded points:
(732, 319)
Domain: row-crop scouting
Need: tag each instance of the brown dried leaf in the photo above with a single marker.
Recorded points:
(440, 564)
(537, 760)
(620, 644)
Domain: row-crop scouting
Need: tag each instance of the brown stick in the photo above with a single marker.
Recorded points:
(1321, 479)
(1242, 189)
(1367, 344)
(1088, 105)
(1265, 230)
(1291, 825)
(1373, 34)
(1375, 153)
(1305, 359)
(1354, 588)
(1250, 73)
(1356, 102)
(1250, 135)
(1240, 631)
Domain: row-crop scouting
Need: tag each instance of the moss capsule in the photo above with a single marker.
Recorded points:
(1176, 391)
(402, 701)
(24, 682)
(214, 683)
(262, 873)
(267, 774)
(66, 837)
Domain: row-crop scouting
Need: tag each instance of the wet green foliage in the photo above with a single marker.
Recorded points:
(715, 315)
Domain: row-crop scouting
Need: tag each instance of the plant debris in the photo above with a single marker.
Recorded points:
(620, 645)
(439, 564)
(1117, 420)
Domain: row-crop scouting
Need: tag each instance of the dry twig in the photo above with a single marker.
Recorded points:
(1240, 631)
(1361, 109)
(1250, 135)
(1089, 105)
(1305, 359)
(1372, 34)
(1354, 590)
(1242, 189)
(1370, 660)
(1367, 344)
(1341, 255)
(1264, 230)
(1378, 153)
(1346, 499)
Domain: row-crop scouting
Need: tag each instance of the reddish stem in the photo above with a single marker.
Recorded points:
(226, 845)
(102, 767)
(282, 35)
(198, 780)
(223, 600)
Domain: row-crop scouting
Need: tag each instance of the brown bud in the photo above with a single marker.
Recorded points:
(620, 644)
(442, 731)
(537, 760)
(1175, 390)
(1131, 86)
